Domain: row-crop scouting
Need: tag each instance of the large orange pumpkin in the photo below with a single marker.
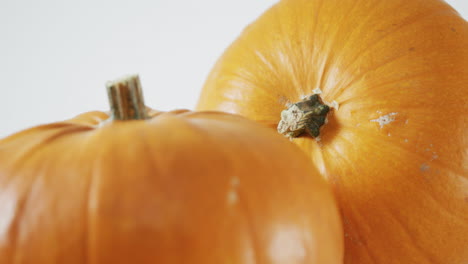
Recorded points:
(394, 74)
(175, 187)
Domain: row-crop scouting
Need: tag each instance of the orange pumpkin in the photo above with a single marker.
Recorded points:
(175, 187)
(394, 74)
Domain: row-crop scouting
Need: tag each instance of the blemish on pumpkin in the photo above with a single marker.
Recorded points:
(389, 134)
(334, 104)
(406, 140)
(319, 141)
(424, 167)
(385, 119)
(434, 156)
(411, 49)
(316, 91)
(284, 101)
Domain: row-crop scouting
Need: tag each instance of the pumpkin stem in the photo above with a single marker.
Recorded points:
(126, 99)
(306, 116)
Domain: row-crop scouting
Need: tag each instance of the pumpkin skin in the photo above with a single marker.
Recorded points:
(395, 150)
(180, 187)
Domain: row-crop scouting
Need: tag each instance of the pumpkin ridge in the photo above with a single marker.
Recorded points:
(331, 42)
(426, 255)
(91, 197)
(356, 237)
(357, 78)
(368, 92)
(314, 31)
(13, 229)
(63, 132)
(23, 200)
(254, 241)
(367, 49)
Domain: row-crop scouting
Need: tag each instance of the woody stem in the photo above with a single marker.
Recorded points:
(304, 117)
(126, 99)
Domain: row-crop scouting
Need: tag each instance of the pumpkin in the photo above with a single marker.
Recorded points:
(375, 93)
(161, 187)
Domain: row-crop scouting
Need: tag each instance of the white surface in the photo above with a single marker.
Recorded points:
(56, 56)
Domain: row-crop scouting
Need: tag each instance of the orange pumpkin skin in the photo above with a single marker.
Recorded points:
(181, 187)
(395, 150)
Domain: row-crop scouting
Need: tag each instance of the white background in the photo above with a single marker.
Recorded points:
(56, 55)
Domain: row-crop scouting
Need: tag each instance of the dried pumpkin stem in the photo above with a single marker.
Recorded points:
(126, 99)
(306, 116)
